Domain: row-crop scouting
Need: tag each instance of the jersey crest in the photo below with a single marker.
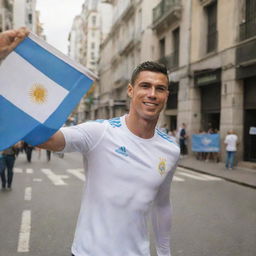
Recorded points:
(162, 166)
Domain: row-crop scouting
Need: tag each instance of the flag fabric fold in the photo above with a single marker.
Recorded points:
(39, 87)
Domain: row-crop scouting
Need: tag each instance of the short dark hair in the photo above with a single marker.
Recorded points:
(148, 66)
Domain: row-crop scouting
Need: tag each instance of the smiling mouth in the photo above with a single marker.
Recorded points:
(150, 104)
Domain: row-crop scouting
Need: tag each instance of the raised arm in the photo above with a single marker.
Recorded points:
(9, 39)
(55, 143)
(161, 218)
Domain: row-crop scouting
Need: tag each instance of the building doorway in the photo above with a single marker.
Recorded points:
(210, 107)
(249, 119)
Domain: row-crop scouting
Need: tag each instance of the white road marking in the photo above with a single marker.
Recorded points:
(77, 173)
(204, 176)
(29, 171)
(24, 235)
(55, 179)
(192, 176)
(175, 178)
(28, 194)
(17, 170)
(37, 179)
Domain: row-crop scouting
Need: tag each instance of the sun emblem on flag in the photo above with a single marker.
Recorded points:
(162, 166)
(38, 93)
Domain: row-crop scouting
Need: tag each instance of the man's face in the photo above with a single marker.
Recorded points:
(148, 94)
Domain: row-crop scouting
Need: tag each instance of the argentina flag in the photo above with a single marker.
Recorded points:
(39, 88)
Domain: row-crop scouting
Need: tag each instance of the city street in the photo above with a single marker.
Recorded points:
(211, 217)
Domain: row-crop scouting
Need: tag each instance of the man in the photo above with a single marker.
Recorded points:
(8, 160)
(182, 139)
(10, 39)
(129, 168)
(231, 143)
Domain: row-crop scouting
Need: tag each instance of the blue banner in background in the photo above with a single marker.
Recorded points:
(205, 142)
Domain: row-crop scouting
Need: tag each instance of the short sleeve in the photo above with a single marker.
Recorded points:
(83, 137)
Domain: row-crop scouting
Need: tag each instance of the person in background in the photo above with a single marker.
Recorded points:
(183, 139)
(8, 158)
(48, 155)
(164, 129)
(9, 39)
(2, 165)
(28, 150)
(231, 148)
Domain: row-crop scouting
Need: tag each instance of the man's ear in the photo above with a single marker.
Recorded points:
(130, 90)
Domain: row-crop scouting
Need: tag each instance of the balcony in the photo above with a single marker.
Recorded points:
(246, 59)
(170, 61)
(165, 13)
(248, 29)
(128, 43)
(123, 10)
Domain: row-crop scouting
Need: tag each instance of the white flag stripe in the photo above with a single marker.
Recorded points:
(54, 178)
(175, 178)
(77, 173)
(16, 88)
(24, 235)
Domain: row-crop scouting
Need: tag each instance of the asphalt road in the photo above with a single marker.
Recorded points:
(211, 217)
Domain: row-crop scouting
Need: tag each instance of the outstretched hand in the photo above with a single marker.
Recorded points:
(10, 39)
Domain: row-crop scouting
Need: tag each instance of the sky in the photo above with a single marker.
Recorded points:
(57, 17)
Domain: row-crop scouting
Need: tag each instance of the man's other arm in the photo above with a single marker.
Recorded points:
(161, 218)
(9, 39)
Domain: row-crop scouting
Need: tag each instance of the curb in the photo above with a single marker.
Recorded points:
(219, 176)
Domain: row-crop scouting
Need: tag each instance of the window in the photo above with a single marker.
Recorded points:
(93, 45)
(176, 47)
(172, 102)
(30, 18)
(247, 28)
(92, 55)
(162, 47)
(212, 27)
(94, 20)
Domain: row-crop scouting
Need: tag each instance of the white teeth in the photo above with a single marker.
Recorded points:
(150, 104)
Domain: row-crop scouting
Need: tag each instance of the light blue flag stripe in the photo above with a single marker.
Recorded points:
(14, 123)
(53, 67)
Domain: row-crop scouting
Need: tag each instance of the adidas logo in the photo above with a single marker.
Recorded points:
(122, 151)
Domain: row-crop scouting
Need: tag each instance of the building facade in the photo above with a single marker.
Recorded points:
(6, 15)
(120, 52)
(25, 15)
(209, 48)
(87, 32)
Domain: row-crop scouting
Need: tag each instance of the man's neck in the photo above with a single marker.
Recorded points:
(141, 127)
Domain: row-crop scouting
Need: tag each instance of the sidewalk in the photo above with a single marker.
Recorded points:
(242, 176)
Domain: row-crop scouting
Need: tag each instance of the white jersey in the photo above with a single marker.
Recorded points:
(126, 177)
(231, 141)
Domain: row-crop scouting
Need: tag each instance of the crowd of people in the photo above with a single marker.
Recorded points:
(8, 157)
(180, 136)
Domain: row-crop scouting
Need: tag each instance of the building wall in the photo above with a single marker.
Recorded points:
(193, 58)
(24, 14)
(6, 16)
